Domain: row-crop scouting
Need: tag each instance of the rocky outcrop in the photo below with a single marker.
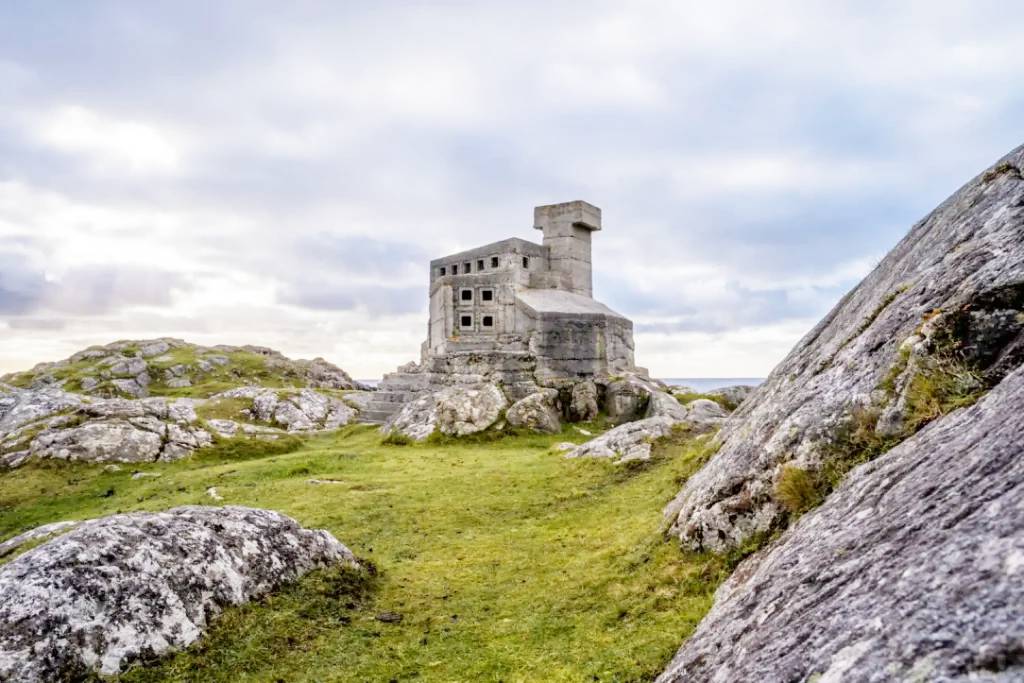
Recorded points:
(295, 411)
(157, 367)
(933, 327)
(52, 424)
(732, 396)
(538, 412)
(912, 570)
(133, 586)
(33, 535)
(453, 411)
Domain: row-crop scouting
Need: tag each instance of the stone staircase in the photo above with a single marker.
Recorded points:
(395, 389)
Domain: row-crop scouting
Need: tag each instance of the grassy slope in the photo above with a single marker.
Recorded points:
(507, 562)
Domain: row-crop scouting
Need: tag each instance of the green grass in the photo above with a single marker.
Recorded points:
(685, 397)
(506, 562)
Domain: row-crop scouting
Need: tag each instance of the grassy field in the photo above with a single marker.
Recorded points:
(505, 561)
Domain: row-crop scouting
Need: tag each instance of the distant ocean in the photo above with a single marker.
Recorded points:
(701, 384)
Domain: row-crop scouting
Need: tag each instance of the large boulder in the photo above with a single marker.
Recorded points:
(936, 324)
(538, 412)
(732, 396)
(453, 411)
(133, 586)
(462, 411)
(912, 570)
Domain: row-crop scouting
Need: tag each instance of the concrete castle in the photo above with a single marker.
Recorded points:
(518, 314)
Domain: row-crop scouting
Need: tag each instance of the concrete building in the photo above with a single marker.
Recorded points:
(517, 313)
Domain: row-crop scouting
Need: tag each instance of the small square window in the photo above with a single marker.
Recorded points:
(480, 265)
(487, 295)
(488, 321)
(526, 262)
(494, 262)
(467, 295)
(455, 270)
(467, 268)
(442, 271)
(466, 321)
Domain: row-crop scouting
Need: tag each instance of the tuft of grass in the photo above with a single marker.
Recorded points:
(505, 561)
(798, 490)
(245, 448)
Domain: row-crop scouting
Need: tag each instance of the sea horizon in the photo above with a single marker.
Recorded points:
(701, 384)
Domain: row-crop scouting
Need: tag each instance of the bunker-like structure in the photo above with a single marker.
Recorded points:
(517, 313)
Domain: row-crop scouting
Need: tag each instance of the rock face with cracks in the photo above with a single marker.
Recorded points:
(132, 586)
(939, 319)
(912, 570)
(538, 412)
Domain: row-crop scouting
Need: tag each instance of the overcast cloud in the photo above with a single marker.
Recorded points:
(281, 173)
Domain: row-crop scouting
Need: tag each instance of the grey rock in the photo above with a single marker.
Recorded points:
(416, 419)
(704, 413)
(159, 577)
(100, 441)
(129, 387)
(538, 412)
(89, 383)
(964, 261)
(663, 404)
(301, 410)
(910, 571)
(157, 347)
(360, 400)
(179, 382)
(629, 441)
(583, 406)
(462, 411)
(626, 398)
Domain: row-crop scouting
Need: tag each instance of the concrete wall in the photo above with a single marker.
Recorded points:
(579, 345)
(567, 231)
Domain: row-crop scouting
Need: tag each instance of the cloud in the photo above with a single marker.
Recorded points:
(109, 144)
(284, 177)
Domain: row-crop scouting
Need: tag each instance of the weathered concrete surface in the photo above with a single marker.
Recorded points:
(120, 588)
(912, 570)
(960, 269)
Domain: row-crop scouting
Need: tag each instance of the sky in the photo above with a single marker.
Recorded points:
(281, 173)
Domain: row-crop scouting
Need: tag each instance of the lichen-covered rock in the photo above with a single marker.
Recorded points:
(537, 412)
(948, 300)
(132, 586)
(454, 411)
(664, 404)
(629, 441)
(462, 411)
(912, 570)
(583, 404)
(301, 410)
(626, 398)
(416, 419)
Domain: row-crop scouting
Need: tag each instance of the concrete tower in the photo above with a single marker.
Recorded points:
(567, 229)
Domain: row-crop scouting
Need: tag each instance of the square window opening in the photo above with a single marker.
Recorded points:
(455, 270)
(526, 262)
(480, 265)
(487, 295)
(467, 295)
(494, 262)
(467, 268)
(442, 271)
(466, 321)
(488, 321)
